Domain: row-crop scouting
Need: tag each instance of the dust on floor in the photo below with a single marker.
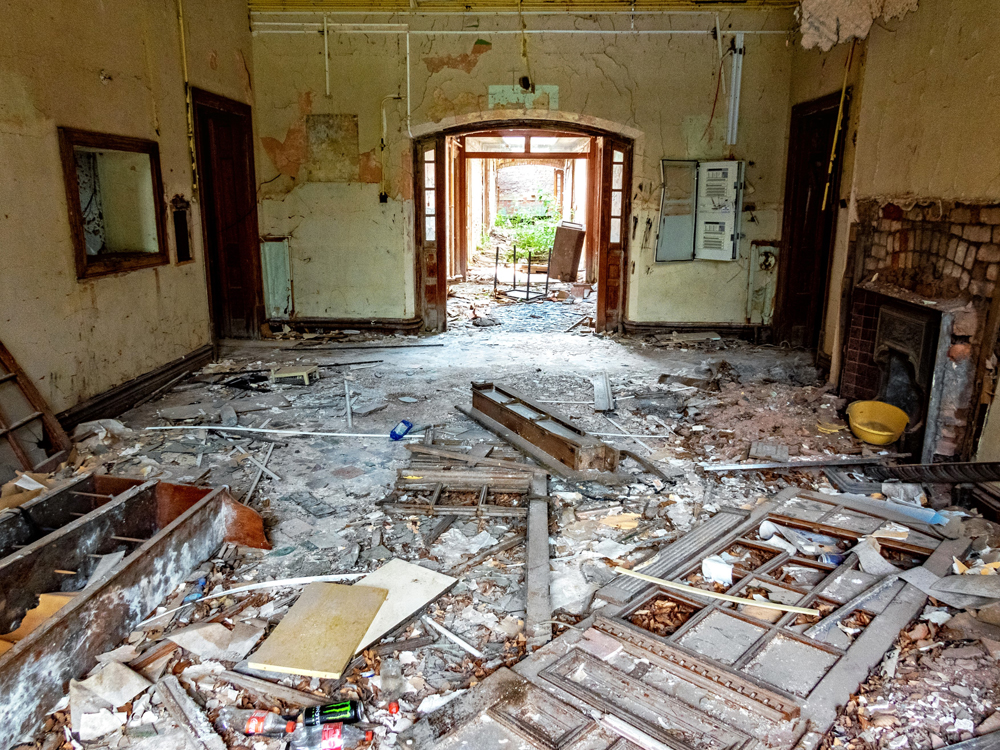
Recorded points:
(680, 404)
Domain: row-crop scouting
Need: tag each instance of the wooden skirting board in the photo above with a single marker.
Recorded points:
(123, 397)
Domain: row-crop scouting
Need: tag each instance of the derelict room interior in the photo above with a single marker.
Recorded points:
(535, 374)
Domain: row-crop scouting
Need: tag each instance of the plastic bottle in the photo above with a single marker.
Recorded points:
(248, 721)
(391, 674)
(400, 430)
(326, 737)
(345, 712)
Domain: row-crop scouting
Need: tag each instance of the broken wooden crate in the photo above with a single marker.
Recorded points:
(550, 432)
(165, 531)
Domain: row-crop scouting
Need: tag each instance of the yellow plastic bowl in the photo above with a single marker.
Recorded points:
(876, 422)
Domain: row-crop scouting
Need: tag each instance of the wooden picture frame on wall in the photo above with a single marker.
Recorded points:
(144, 213)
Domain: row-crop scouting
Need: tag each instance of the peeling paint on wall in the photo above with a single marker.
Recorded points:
(288, 155)
(829, 22)
(332, 147)
(369, 168)
(442, 107)
(543, 97)
(466, 61)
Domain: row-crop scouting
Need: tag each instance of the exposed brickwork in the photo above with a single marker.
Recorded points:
(940, 251)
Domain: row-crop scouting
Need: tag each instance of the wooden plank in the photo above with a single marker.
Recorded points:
(545, 428)
(604, 399)
(492, 511)
(321, 632)
(550, 462)
(486, 554)
(439, 528)
(271, 690)
(419, 478)
(539, 609)
(186, 714)
(411, 588)
(409, 644)
(473, 460)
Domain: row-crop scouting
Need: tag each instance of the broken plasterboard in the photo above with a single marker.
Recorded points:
(321, 632)
(410, 588)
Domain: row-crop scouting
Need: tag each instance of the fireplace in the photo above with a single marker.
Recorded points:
(905, 341)
(916, 317)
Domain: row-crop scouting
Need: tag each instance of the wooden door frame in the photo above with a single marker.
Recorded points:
(594, 220)
(814, 106)
(202, 100)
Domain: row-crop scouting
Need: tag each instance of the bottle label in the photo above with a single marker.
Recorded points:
(332, 738)
(255, 722)
(331, 712)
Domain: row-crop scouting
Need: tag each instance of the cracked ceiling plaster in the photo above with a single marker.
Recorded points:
(825, 23)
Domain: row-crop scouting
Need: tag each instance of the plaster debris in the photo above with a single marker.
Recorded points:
(825, 23)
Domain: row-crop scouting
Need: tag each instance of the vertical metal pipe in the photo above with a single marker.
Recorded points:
(187, 98)
(515, 269)
(496, 271)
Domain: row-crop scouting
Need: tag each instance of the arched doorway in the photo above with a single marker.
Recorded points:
(441, 170)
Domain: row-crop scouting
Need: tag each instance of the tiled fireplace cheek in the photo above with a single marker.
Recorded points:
(860, 379)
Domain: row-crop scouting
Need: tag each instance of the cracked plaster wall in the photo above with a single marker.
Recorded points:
(930, 124)
(353, 257)
(76, 339)
(350, 255)
(924, 117)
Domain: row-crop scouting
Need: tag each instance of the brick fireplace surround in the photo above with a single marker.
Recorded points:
(943, 257)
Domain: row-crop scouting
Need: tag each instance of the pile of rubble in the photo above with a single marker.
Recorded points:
(341, 502)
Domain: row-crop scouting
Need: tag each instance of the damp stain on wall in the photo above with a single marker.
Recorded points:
(465, 61)
(289, 154)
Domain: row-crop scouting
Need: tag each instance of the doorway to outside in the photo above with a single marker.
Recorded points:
(224, 147)
(809, 225)
(514, 188)
(495, 199)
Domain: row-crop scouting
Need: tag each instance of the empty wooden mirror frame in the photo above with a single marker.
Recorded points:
(114, 192)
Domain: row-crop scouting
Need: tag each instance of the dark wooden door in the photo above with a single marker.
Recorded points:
(430, 171)
(224, 145)
(614, 201)
(808, 229)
